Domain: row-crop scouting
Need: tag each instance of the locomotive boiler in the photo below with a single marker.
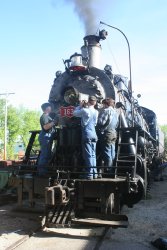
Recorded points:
(98, 201)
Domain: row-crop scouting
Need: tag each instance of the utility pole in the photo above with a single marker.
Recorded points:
(6, 125)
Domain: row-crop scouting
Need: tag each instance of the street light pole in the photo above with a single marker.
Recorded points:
(129, 53)
(6, 125)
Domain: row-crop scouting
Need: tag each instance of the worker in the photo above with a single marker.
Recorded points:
(107, 123)
(46, 138)
(89, 116)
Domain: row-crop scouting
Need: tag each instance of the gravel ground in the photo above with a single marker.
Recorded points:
(14, 226)
(147, 222)
(147, 219)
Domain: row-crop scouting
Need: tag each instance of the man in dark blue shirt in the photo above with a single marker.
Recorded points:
(45, 137)
(107, 122)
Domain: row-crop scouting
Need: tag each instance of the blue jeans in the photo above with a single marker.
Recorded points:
(89, 155)
(113, 151)
(45, 155)
(108, 153)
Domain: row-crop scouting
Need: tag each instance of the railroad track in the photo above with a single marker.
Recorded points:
(20, 241)
(101, 238)
(7, 199)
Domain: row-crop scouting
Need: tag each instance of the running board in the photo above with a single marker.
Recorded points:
(99, 222)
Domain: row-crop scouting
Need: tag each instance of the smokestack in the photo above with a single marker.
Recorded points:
(92, 48)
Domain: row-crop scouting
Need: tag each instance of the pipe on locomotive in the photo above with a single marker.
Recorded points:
(129, 53)
(130, 67)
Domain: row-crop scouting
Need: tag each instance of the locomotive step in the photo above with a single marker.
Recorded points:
(97, 222)
(127, 143)
(126, 161)
(130, 128)
(124, 167)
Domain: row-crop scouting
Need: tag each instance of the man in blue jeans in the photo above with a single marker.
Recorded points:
(107, 122)
(45, 138)
(89, 116)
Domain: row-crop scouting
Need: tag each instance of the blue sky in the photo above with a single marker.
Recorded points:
(37, 34)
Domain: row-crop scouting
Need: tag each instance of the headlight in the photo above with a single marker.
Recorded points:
(71, 96)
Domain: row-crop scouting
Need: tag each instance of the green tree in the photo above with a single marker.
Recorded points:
(13, 127)
(164, 130)
(13, 123)
(20, 122)
(2, 114)
(29, 120)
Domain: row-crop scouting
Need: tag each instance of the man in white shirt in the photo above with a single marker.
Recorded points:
(89, 116)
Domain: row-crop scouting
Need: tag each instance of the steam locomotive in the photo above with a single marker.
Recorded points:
(68, 198)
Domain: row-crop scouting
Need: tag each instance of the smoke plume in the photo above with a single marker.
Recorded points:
(86, 11)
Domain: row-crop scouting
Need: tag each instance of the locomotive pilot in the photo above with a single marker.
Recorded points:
(107, 122)
(89, 116)
(45, 138)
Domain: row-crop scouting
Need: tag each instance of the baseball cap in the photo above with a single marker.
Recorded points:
(45, 105)
(92, 98)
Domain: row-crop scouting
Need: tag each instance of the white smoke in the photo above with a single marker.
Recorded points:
(87, 13)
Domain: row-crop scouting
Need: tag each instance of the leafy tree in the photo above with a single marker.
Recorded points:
(19, 121)
(164, 130)
(2, 114)
(13, 123)
(29, 120)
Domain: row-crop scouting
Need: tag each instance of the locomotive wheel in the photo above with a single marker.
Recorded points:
(134, 197)
(110, 204)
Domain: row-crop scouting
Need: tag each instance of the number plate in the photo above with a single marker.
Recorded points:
(67, 111)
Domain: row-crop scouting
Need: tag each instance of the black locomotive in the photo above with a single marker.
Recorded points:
(68, 198)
